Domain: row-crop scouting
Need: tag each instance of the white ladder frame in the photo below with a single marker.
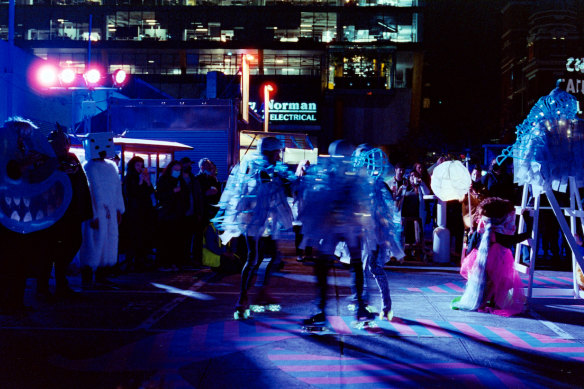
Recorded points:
(574, 211)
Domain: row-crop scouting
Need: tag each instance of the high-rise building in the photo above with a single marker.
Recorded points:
(542, 42)
(355, 65)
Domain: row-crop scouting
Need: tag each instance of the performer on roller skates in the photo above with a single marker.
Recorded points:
(335, 208)
(254, 204)
(384, 241)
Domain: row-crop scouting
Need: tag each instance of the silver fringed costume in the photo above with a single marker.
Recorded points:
(254, 201)
(550, 144)
(387, 224)
(335, 204)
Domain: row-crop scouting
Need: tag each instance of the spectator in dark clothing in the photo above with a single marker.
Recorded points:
(498, 183)
(193, 218)
(139, 219)
(173, 202)
(423, 173)
(398, 180)
(64, 237)
(210, 187)
(410, 201)
(476, 177)
(210, 195)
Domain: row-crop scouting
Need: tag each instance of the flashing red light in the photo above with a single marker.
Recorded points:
(268, 87)
(47, 75)
(92, 77)
(120, 77)
(67, 77)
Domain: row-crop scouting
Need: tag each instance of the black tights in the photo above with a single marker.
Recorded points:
(263, 248)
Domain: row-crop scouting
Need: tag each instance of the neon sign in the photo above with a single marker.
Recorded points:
(575, 86)
(575, 64)
(289, 111)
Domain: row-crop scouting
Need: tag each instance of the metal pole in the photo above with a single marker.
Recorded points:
(10, 70)
(89, 43)
(11, 10)
(245, 88)
(267, 89)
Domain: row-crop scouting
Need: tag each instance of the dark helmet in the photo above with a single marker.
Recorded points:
(341, 147)
(269, 143)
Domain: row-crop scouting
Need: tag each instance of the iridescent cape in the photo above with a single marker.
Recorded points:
(254, 201)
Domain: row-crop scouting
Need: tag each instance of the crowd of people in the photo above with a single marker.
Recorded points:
(354, 202)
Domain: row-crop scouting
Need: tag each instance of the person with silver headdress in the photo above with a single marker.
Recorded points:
(335, 208)
(255, 204)
(384, 240)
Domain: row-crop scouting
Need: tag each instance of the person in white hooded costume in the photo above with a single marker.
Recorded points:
(99, 249)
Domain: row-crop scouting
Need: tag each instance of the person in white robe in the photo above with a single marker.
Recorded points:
(99, 249)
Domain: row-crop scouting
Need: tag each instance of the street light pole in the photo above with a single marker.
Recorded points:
(267, 89)
(245, 59)
(10, 75)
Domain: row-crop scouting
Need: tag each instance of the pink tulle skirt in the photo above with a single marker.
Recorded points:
(504, 290)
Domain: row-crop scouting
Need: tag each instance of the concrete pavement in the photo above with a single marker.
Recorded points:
(176, 330)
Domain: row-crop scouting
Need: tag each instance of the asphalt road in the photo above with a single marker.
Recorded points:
(176, 330)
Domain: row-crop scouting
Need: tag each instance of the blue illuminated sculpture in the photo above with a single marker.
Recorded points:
(550, 143)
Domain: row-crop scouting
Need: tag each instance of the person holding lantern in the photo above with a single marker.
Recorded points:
(493, 284)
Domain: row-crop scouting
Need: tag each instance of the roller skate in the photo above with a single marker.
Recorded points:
(242, 311)
(364, 318)
(386, 314)
(352, 307)
(265, 302)
(315, 324)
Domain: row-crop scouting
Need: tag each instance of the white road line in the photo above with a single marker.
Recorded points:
(552, 326)
(159, 314)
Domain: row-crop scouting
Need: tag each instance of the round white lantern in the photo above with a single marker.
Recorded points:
(450, 181)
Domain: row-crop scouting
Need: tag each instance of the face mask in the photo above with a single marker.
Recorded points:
(176, 173)
(207, 172)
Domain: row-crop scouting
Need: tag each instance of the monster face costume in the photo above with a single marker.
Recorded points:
(34, 195)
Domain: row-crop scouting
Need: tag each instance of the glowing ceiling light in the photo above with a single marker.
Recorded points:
(120, 77)
(92, 77)
(67, 77)
(47, 75)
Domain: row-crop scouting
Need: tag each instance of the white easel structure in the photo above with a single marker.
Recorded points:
(575, 213)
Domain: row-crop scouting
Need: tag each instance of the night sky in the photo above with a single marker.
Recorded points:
(461, 71)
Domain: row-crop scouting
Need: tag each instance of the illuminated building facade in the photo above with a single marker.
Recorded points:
(352, 59)
(542, 42)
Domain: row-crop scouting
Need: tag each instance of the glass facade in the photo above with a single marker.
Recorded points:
(134, 3)
(315, 26)
(347, 43)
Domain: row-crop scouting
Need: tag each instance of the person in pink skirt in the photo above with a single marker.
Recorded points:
(493, 284)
